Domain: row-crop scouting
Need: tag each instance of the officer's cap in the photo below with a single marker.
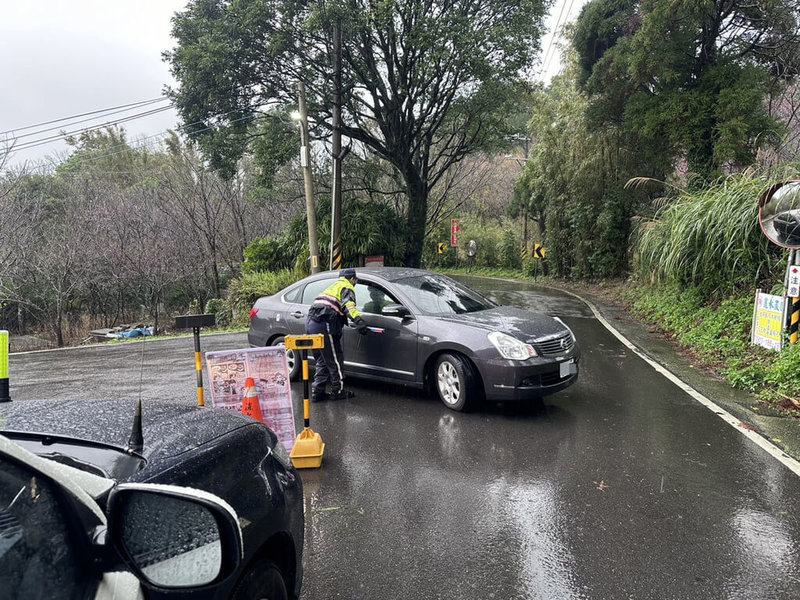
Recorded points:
(347, 273)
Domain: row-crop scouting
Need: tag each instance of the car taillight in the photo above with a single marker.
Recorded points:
(253, 312)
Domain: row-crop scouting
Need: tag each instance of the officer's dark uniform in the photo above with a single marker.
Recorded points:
(328, 315)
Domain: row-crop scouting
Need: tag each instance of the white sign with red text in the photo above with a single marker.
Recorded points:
(793, 290)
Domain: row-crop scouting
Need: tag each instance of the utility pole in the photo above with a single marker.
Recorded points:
(524, 232)
(336, 150)
(524, 253)
(305, 163)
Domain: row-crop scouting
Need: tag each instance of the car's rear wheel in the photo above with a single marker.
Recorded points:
(292, 359)
(263, 581)
(456, 383)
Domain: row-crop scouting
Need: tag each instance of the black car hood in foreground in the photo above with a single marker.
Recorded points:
(522, 324)
(170, 428)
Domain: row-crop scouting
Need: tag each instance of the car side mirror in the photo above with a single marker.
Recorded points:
(395, 310)
(174, 537)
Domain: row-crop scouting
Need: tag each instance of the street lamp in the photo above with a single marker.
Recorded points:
(301, 115)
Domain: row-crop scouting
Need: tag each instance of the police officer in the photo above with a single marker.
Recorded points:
(328, 315)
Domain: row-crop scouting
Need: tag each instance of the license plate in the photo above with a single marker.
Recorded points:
(567, 368)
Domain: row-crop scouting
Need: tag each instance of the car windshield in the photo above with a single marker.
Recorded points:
(437, 295)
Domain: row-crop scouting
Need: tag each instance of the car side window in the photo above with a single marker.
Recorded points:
(38, 557)
(371, 298)
(294, 295)
(314, 289)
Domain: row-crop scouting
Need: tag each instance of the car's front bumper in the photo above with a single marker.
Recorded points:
(506, 380)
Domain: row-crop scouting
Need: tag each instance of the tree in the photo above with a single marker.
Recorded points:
(426, 82)
(689, 74)
(376, 230)
(572, 184)
(47, 266)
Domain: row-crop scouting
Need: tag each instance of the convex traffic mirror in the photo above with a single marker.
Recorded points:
(779, 214)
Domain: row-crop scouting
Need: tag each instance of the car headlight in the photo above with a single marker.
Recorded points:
(510, 347)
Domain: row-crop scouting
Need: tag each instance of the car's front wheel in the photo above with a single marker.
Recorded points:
(455, 381)
(292, 359)
(262, 582)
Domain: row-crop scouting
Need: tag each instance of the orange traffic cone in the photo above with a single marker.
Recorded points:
(250, 405)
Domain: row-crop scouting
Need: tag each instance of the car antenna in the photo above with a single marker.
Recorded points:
(136, 441)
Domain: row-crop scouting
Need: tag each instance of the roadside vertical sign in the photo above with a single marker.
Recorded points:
(455, 230)
(767, 326)
(793, 290)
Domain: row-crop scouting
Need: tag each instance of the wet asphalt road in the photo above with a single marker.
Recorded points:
(621, 486)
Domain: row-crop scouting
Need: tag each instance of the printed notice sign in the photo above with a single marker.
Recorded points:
(767, 330)
(227, 372)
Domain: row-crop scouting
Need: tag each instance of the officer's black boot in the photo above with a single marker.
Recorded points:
(342, 395)
(319, 395)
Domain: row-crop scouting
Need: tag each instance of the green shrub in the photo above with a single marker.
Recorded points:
(718, 333)
(221, 308)
(510, 250)
(266, 254)
(724, 330)
(244, 291)
(784, 375)
(533, 267)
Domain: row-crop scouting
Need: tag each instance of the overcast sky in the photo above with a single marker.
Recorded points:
(62, 58)
(67, 57)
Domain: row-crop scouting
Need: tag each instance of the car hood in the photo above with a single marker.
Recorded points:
(524, 325)
(169, 428)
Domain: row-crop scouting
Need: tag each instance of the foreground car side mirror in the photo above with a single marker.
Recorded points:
(395, 310)
(174, 537)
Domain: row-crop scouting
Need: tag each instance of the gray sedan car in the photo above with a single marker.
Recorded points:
(430, 331)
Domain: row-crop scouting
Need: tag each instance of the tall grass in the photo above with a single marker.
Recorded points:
(710, 239)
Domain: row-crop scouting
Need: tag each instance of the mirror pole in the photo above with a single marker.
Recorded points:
(793, 307)
(4, 386)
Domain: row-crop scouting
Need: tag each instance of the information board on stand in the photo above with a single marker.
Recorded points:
(227, 372)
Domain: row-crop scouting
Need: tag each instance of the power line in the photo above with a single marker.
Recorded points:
(562, 18)
(61, 136)
(545, 59)
(144, 143)
(94, 112)
(40, 131)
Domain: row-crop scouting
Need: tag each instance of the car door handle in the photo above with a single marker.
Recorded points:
(297, 314)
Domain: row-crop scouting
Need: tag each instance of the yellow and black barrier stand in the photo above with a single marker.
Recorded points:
(308, 447)
(4, 387)
(795, 320)
(196, 322)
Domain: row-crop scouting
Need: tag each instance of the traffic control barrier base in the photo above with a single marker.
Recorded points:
(307, 450)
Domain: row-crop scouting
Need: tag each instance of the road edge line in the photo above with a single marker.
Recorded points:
(789, 462)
